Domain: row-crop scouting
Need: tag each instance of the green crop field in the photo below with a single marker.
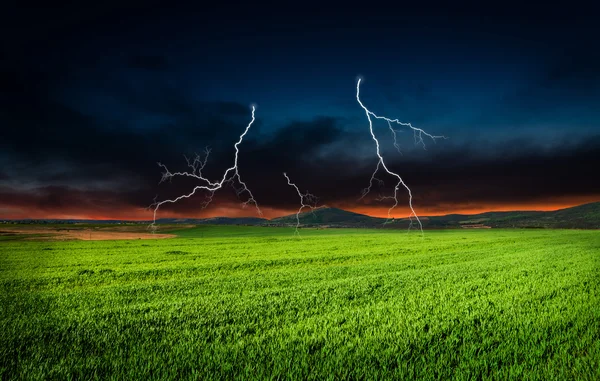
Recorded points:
(255, 302)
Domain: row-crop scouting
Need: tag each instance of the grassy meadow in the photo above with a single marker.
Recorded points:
(261, 303)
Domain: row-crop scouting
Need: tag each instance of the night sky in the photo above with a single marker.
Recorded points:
(92, 97)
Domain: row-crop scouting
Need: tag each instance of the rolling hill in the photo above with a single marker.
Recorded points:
(585, 216)
(329, 217)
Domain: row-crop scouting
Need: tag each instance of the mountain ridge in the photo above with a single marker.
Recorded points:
(585, 216)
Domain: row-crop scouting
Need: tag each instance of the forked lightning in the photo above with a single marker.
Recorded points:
(418, 133)
(197, 165)
(307, 200)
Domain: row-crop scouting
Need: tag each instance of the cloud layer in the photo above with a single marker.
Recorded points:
(90, 101)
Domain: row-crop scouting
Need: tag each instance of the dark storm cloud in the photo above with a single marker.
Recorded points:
(52, 197)
(57, 144)
(65, 201)
(447, 177)
(38, 129)
(92, 98)
(296, 142)
(575, 73)
(575, 65)
(112, 164)
(457, 175)
(149, 62)
(521, 175)
(565, 89)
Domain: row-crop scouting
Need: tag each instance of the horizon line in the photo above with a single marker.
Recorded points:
(290, 214)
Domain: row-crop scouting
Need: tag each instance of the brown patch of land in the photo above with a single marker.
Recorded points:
(87, 233)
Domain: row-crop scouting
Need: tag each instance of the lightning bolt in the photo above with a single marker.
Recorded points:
(197, 165)
(307, 200)
(394, 137)
(418, 133)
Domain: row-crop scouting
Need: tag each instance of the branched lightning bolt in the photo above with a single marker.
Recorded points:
(197, 165)
(418, 136)
(396, 145)
(373, 179)
(307, 200)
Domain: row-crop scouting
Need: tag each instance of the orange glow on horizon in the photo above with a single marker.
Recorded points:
(445, 209)
(467, 210)
(234, 210)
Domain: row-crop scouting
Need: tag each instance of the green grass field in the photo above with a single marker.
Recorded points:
(254, 302)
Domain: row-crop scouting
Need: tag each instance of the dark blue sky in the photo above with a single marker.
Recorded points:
(92, 98)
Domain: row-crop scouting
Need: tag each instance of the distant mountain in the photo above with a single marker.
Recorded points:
(330, 217)
(578, 217)
(585, 216)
